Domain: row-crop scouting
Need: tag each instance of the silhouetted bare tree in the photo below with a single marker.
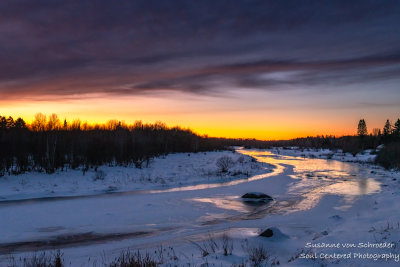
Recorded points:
(39, 123)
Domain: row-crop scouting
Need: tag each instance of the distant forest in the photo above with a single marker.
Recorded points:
(388, 156)
(48, 144)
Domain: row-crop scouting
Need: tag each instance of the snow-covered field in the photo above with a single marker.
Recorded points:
(324, 212)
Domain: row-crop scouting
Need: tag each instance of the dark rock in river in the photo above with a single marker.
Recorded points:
(273, 233)
(267, 233)
(257, 195)
(256, 198)
(336, 217)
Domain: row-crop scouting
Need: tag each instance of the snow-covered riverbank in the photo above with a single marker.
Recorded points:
(366, 156)
(318, 203)
(174, 170)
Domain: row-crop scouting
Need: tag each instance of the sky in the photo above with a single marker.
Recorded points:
(249, 69)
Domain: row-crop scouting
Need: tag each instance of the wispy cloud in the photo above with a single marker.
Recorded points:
(71, 48)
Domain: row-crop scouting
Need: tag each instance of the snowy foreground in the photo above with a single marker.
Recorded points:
(184, 212)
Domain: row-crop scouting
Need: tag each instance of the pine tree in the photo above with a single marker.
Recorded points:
(387, 129)
(396, 130)
(362, 128)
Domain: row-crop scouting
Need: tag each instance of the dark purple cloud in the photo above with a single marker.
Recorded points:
(65, 48)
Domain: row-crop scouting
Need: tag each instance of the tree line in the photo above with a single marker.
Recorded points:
(48, 144)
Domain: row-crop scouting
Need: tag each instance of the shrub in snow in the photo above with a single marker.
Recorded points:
(227, 245)
(99, 175)
(130, 258)
(389, 156)
(224, 163)
(258, 254)
(41, 259)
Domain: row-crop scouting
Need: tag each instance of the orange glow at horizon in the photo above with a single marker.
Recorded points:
(205, 117)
